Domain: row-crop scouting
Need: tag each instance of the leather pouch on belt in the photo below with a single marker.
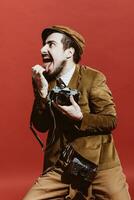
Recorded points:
(78, 171)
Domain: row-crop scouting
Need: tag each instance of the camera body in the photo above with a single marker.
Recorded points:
(62, 95)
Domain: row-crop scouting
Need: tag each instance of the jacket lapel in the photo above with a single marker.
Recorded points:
(74, 80)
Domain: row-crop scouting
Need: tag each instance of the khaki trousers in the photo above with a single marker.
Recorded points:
(108, 184)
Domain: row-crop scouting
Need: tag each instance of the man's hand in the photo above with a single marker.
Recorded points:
(41, 82)
(73, 111)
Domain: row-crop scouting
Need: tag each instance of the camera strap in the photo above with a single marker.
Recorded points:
(34, 132)
(53, 131)
(62, 85)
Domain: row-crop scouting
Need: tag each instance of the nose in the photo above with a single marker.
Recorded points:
(44, 49)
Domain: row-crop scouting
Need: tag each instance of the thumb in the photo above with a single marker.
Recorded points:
(72, 100)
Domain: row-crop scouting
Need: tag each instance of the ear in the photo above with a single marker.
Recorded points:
(69, 52)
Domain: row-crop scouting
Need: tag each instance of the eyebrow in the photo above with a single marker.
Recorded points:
(50, 41)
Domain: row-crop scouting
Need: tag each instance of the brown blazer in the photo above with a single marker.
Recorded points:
(92, 138)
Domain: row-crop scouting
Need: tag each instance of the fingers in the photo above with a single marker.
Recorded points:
(59, 107)
(37, 70)
(72, 111)
(37, 74)
(41, 82)
(73, 102)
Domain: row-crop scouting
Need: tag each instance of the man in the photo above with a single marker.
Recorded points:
(80, 125)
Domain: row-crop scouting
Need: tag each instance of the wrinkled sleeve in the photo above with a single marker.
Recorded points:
(102, 116)
(40, 115)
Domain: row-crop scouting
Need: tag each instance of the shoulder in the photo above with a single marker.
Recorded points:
(90, 72)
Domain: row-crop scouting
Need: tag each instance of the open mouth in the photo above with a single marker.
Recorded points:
(47, 63)
(47, 58)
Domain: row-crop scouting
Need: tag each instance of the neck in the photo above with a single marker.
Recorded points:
(68, 66)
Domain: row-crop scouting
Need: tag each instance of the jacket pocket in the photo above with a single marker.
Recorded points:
(89, 147)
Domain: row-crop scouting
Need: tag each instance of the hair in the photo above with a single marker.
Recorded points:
(70, 42)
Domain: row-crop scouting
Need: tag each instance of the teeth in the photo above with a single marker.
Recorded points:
(46, 56)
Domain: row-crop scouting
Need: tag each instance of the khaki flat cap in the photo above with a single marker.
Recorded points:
(79, 39)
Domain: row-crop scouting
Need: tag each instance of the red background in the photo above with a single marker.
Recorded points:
(108, 28)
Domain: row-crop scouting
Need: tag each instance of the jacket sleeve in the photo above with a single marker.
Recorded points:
(40, 115)
(102, 116)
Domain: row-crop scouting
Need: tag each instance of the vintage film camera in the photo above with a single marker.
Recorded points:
(61, 94)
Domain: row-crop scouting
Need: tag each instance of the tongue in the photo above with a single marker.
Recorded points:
(47, 66)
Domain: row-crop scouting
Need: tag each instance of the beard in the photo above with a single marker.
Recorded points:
(55, 73)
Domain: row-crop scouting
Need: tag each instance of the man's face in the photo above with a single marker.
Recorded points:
(54, 56)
